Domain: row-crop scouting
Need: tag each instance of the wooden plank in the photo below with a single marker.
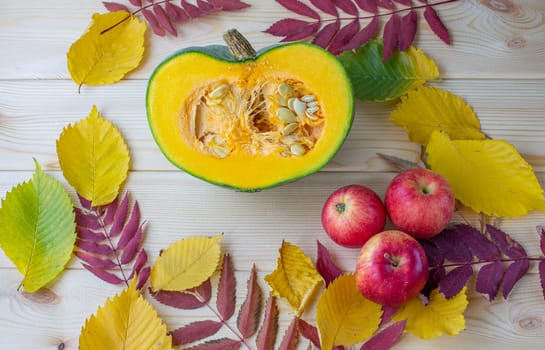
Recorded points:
(33, 114)
(491, 38)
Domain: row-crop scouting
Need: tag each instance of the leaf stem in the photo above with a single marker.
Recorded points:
(479, 261)
(132, 14)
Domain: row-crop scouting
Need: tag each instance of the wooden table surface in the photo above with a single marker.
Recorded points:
(496, 63)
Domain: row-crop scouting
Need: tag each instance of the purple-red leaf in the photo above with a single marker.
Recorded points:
(300, 8)
(387, 312)
(347, 6)
(266, 337)
(290, 340)
(218, 344)
(88, 220)
(307, 31)
(192, 10)
(325, 265)
(175, 12)
(89, 235)
(513, 274)
(195, 331)
(164, 21)
(433, 254)
(205, 6)
(85, 203)
(541, 233)
(343, 36)
(226, 300)
(120, 216)
(153, 22)
(131, 227)
(455, 280)
(95, 261)
(130, 251)
(109, 210)
(434, 277)
(453, 246)
(408, 32)
(542, 276)
(141, 260)
(94, 247)
(386, 338)
(368, 32)
(143, 277)
(478, 244)
(327, 6)
(507, 245)
(185, 300)
(309, 332)
(103, 275)
(391, 36)
(228, 5)
(250, 311)
(114, 6)
(324, 36)
(386, 4)
(405, 2)
(368, 5)
(436, 25)
(287, 26)
(136, 2)
(489, 278)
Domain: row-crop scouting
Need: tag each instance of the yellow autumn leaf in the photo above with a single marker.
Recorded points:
(344, 316)
(94, 158)
(186, 263)
(126, 322)
(426, 109)
(440, 316)
(295, 278)
(99, 57)
(489, 176)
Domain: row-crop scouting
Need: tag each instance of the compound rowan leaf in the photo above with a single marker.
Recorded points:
(489, 176)
(266, 337)
(376, 80)
(295, 277)
(513, 274)
(386, 338)
(489, 279)
(186, 263)
(94, 158)
(112, 46)
(195, 331)
(439, 316)
(250, 310)
(427, 109)
(125, 322)
(227, 289)
(344, 316)
(37, 229)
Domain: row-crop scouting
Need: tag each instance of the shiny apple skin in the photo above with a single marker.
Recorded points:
(419, 202)
(352, 214)
(391, 268)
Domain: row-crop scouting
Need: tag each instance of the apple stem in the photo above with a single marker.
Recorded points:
(392, 261)
(340, 207)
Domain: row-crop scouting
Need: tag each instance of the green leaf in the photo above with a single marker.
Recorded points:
(376, 80)
(37, 229)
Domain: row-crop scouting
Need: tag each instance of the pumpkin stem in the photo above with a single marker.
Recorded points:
(240, 47)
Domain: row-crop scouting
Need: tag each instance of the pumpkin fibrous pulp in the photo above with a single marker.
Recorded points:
(248, 120)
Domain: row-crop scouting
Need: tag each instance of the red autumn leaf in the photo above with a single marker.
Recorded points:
(309, 332)
(434, 277)
(507, 245)
(405, 2)
(185, 300)
(266, 337)
(175, 12)
(140, 261)
(433, 254)
(325, 265)
(386, 338)
(87, 220)
(327, 6)
(542, 276)
(386, 4)
(114, 6)
(287, 26)
(108, 212)
(229, 5)
(453, 246)
(368, 5)
(408, 32)
(195, 331)
(391, 36)
(205, 6)
(95, 261)
(300, 8)
(307, 31)
(387, 312)
(347, 6)
(218, 344)
(343, 36)
(163, 19)
(290, 340)
(368, 32)
(87, 234)
(489, 278)
(103, 275)
(94, 247)
(436, 24)
(130, 251)
(250, 311)
(541, 232)
(324, 36)
(192, 10)
(136, 2)
(153, 22)
(226, 300)
(119, 217)
(130, 227)
(86, 204)
(478, 244)
(513, 274)
(143, 277)
(455, 280)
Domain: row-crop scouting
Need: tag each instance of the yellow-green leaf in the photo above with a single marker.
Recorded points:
(103, 58)
(344, 316)
(37, 229)
(440, 316)
(295, 278)
(94, 158)
(126, 322)
(186, 263)
(489, 176)
(426, 109)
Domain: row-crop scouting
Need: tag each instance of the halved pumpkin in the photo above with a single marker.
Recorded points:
(250, 122)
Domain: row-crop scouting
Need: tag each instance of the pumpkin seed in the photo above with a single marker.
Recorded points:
(297, 149)
(285, 115)
(220, 152)
(288, 129)
(285, 90)
(312, 104)
(290, 102)
(308, 98)
(299, 107)
(311, 116)
(213, 101)
(282, 100)
(219, 91)
(312, 110)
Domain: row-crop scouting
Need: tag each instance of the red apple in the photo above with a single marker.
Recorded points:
(352, 214)
(419, 202)
(391, 268)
